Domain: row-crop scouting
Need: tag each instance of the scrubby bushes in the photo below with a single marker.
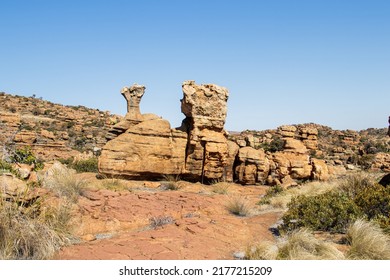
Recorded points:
(357, 197)
(26, 156)
(277, 144)
(87, 165)
(331, 211)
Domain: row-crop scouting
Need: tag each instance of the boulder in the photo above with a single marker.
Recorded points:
(252, 166)
(145, 146)
(149, 149)
(320, 170)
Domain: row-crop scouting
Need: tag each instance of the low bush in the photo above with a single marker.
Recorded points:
(375, 203)
(26, 156)
(277, 144)
(331, 211)
(87, 165)
(356, 183)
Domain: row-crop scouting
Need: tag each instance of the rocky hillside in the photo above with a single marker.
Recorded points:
(53, 131)
(365, 149)
(285, 155)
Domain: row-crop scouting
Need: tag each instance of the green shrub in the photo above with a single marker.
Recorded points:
(356, 183)
(6, 167)
(87, 165)
(271, 192)
(277, 144)
(26, 156)
(331, 211)
(375, 203)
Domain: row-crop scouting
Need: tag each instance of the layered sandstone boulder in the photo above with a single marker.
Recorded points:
(207, 149)
(145, 146)
(252, 166)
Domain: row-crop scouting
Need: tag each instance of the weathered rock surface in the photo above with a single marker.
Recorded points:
(205, 109)
(145, 146)
(53, 131)
(150, 149)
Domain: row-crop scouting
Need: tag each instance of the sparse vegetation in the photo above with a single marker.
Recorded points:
(220, 188)
(113, 184)
(239, 206)
(160, 221)
(271, 192)
(87, 165)
(64, 183)
(276, 144)
(25, 155)
(170, 183)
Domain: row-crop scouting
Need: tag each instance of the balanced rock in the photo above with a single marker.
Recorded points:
(145, 146)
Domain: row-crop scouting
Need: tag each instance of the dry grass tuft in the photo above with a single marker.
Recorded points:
(299, 245)
(113, 184)
(367, 241)
(220, 188)
(262, 251)
(302, 245)
(27, 234)
(239, 206)
(64, 182)
(160, 221)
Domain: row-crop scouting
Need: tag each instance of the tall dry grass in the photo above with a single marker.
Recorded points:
(298, 245)
(28, 233)
(63, 182)
(367, 241)
(239, 206)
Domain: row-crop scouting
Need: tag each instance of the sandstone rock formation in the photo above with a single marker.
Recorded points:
(207, 149)
(145, 146)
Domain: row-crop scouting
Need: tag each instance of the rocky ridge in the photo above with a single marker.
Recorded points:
(53, 131)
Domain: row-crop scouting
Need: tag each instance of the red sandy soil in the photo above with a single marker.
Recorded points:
(117, 224)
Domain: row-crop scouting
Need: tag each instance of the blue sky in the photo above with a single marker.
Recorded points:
(283, 61)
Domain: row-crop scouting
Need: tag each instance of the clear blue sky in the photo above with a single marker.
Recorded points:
(283, 61)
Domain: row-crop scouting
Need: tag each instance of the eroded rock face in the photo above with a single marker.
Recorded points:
(207, 149)
(150, 149)
(145, 146)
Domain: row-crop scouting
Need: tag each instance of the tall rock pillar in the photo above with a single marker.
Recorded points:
(207, 148)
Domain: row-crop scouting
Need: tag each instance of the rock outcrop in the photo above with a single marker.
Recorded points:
(145, 146)
(207, 149)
